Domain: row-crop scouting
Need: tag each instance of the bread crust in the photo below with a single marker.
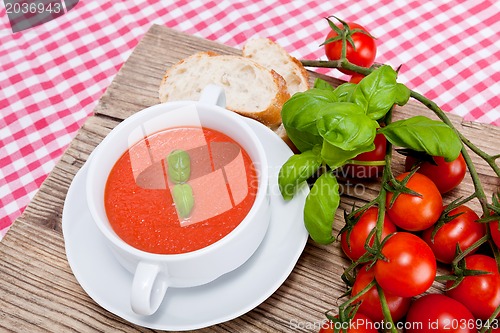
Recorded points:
(270, 116)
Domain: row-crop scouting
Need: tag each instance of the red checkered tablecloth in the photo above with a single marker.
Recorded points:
(53, 75)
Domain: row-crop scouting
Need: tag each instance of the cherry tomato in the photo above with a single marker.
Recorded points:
(412, 212)
(356, 77)
(368, 171)
(479, 293)
(446, 175)
(462, 230)
(363, 54)
(370, 301)
(409, 268)
(495, 234)
(359, 233)
(359, 324)
(434, 313)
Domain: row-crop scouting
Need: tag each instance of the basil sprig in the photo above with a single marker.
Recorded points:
(331, 126)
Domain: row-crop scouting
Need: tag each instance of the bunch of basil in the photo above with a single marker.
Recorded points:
(332, 126)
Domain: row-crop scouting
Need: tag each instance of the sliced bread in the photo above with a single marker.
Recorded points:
(251, 89)
(272, 56)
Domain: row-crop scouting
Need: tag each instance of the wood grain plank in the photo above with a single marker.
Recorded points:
(38, 292)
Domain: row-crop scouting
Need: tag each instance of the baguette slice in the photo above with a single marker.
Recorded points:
(272, 56)
(251, 89)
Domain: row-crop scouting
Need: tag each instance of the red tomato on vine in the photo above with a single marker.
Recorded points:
(353, 242)
(409, 266)
(361, 46)
(446, 175)
(462, 230)
(493, 225)
(435, 313)
(370, 301)
(415, 212)
(495, 233)
(479, 293)
(356, 78)
(368, 171)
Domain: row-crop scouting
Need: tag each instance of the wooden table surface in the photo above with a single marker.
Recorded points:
(38, 291)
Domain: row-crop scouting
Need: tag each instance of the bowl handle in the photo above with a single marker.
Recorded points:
(148, 288)
(214, 95)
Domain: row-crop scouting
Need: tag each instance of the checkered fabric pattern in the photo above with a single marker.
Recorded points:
(53, 75)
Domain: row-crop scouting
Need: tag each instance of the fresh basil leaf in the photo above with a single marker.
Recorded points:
(336, 157)
(423, 134)
(320, 207)
(344, 92)
(379, 91)
(299, 115)
(347, 132)
(296, 170)
(402, 94)
(348, 127)
(322, 84)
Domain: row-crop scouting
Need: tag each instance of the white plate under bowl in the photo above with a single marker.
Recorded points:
(226, 298)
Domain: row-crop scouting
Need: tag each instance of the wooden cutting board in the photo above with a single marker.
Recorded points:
(38, 291)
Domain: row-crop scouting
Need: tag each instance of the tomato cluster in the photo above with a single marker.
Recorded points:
(418, 233)
(398, 264)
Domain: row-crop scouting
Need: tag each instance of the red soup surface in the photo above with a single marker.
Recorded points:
(138, 195)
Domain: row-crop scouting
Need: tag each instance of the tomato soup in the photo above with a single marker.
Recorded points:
(154, 206)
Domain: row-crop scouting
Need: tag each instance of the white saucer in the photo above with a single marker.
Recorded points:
(226, 298)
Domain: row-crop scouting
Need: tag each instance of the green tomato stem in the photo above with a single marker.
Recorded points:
(363, 208)
(469, 250)
(353, 299)
(386, 176)
(489, 159)
(341, 63)
(363, 259)
(343, 54)
(385, 309)
(491, 321)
